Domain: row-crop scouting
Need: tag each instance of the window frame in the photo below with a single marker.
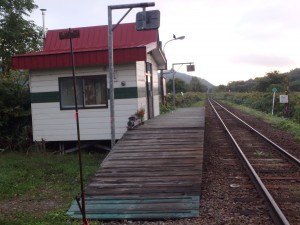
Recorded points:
(103, 78)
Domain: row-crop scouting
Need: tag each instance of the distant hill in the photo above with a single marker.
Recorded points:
(187, 78)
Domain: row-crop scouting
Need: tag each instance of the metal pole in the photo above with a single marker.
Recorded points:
(44, 32)
(161, 71)
(126, 6)
(111, 77)
(273, 103)
(174, 99)
(44, 28)
(78, 132)
(111, 62)
(162, 87)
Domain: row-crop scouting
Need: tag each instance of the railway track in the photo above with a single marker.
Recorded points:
(274, 171)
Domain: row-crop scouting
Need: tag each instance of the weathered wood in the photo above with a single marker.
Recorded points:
(141, 207)
(153, 172)
(135, 207)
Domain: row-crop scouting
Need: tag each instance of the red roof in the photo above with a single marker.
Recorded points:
(91, 48)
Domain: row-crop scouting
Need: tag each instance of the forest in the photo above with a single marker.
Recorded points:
(289, 81)
(15, 113)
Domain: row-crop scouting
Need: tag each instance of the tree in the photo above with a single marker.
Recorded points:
(238, 86)
(17, 35)
(274, 77)
(15, 119)
(221, 88)
(180, 86)
(293, 74)
(195, 85)
(269, 80)
(295, 86)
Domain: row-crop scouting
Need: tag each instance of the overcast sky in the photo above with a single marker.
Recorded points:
(228, 40)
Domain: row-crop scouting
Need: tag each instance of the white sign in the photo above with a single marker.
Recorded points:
(284, 99)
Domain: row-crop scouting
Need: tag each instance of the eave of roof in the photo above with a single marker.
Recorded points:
(91, 48)
(86, 58)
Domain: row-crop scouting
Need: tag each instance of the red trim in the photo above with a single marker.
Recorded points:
(81, 59)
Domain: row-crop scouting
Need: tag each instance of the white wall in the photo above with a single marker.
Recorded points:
(53, 124)
(140, 76)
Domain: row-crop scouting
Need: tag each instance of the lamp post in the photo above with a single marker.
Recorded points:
(161, 71)
(190, 67)
(173, 39)
(111, 58)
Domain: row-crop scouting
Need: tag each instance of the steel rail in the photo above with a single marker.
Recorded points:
(276, 213)
(286, 154)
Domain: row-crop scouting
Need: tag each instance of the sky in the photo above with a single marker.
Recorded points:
(227, 40)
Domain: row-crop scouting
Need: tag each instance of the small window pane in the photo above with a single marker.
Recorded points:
(94, 91)
(67, 93)
(91, 92)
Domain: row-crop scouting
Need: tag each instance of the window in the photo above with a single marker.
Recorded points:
(91, 92)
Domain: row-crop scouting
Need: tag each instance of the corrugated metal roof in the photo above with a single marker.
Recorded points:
(90, 48)
(96, 38)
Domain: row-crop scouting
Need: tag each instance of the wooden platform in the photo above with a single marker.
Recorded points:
(153, 172)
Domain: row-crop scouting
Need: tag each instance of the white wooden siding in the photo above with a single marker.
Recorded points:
(53, 124)
(141, 82)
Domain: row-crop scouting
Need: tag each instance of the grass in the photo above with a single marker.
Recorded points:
(296, 192)
(282, 123)
(199, 104)
(41, 186)
(260, 153)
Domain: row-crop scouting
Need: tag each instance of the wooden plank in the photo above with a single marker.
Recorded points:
(165, 179)
(146, 174)
(178, 207)
(154, 171)
(132, 215)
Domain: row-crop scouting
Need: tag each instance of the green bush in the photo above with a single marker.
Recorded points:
(262, 101)
(187, 99)
(15, 112)
(167, 107)
(291, 125)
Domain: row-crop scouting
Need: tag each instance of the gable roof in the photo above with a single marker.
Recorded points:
(91, 48)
